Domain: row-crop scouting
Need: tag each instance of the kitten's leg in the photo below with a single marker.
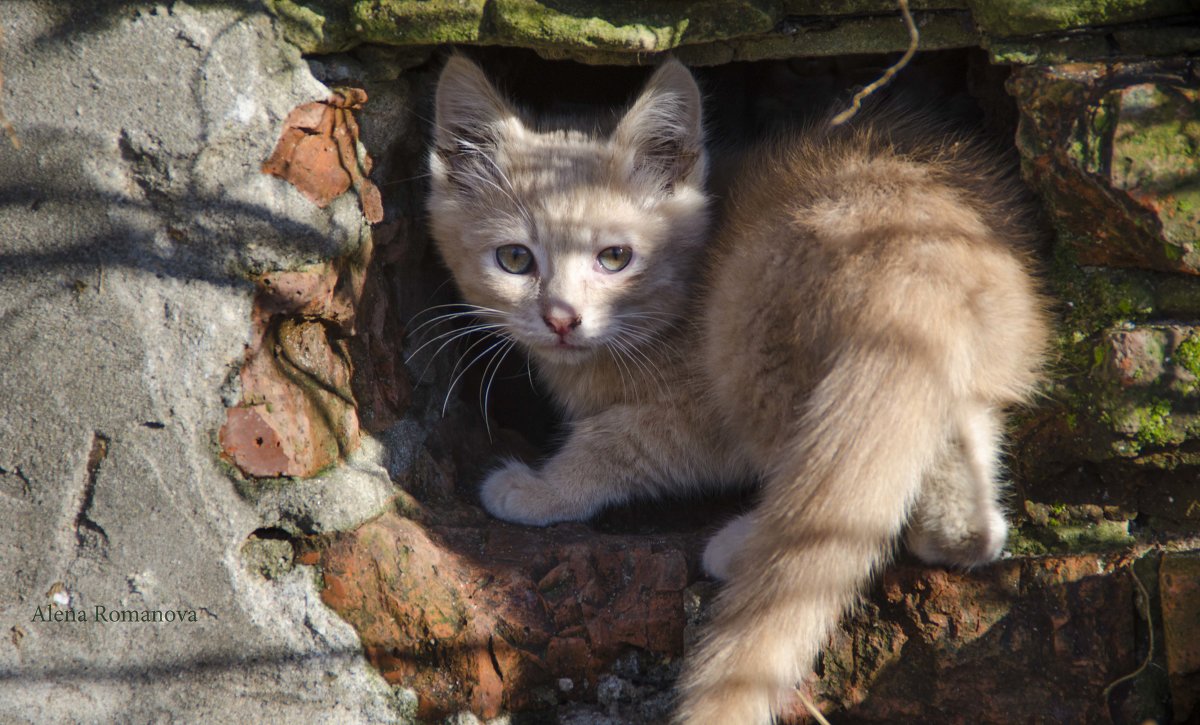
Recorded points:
(958, 518)
(608, 459)
(724, 545)
(835, 497)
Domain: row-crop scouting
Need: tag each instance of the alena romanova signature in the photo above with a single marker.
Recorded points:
(110, 615)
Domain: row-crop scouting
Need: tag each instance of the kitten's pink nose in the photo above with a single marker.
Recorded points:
(561, 318)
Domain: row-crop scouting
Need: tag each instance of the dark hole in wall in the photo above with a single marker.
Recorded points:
(744, 102)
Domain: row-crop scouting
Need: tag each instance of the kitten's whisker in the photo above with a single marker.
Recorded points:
(640, 338)
(393, 182)
(456, 304)
(649, 367)
(647, 372)
(464, 333)
(650, 324)
(446, 318)
(655, 339)
(451, 333)
(626, 352)
(435, 291)
(639, 335)
(488, 335)
(488, 390)
(461, 307)
(612, 353)
(454, 335)
(644, 322)
(453, 382)
(483, 379)
(648, 314)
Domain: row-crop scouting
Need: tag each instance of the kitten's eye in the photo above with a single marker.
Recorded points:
(614, 259)
(515, 258)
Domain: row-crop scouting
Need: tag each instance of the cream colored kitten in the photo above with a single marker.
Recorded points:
(848, 337)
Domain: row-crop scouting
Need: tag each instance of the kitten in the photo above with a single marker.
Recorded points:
(848, 337)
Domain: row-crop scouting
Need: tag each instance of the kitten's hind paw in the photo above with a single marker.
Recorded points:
(724, 545)
(516, 493)
(960, 544)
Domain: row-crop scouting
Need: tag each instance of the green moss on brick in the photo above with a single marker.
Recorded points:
(1091, 536)
(1156, 151)
(1096, 299)
(425, 22)
(1187, 355)
(1136, 415)
(1158, 138)
(1074, 537)
(1028, 17)
(617, 27)
(1022, 542)
(323, 26)
(1154, 424)
(305, 27)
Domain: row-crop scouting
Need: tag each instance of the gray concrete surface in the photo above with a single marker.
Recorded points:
(128, 219)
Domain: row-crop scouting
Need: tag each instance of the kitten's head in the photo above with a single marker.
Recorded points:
(576, 240)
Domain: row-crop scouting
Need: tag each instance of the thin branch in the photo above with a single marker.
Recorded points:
(1144, 603)
(812, 709)
(914, 37)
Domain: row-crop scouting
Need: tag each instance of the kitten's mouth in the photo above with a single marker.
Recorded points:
(565, 349)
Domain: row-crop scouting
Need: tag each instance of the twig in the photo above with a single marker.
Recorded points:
(1145, 607)
(914, 37)
(812, 709)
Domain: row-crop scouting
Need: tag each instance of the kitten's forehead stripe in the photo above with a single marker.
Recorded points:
(540, 164)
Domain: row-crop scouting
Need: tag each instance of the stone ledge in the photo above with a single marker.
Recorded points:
(486, 617)
(705, 32)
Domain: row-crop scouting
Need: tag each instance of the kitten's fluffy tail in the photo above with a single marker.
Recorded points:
(831, 509)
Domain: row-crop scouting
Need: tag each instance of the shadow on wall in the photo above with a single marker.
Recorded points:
(226, 661)
(71, 20)
(207, 235)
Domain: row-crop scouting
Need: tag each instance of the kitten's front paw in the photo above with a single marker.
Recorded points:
(518, 494)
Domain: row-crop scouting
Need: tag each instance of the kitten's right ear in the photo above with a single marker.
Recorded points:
(662, 134)
(468, 115)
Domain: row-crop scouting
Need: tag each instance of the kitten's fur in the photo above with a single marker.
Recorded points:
(849, 337)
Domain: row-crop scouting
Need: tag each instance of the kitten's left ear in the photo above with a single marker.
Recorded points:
(469, 115)
(467, 105)
(662, 133)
